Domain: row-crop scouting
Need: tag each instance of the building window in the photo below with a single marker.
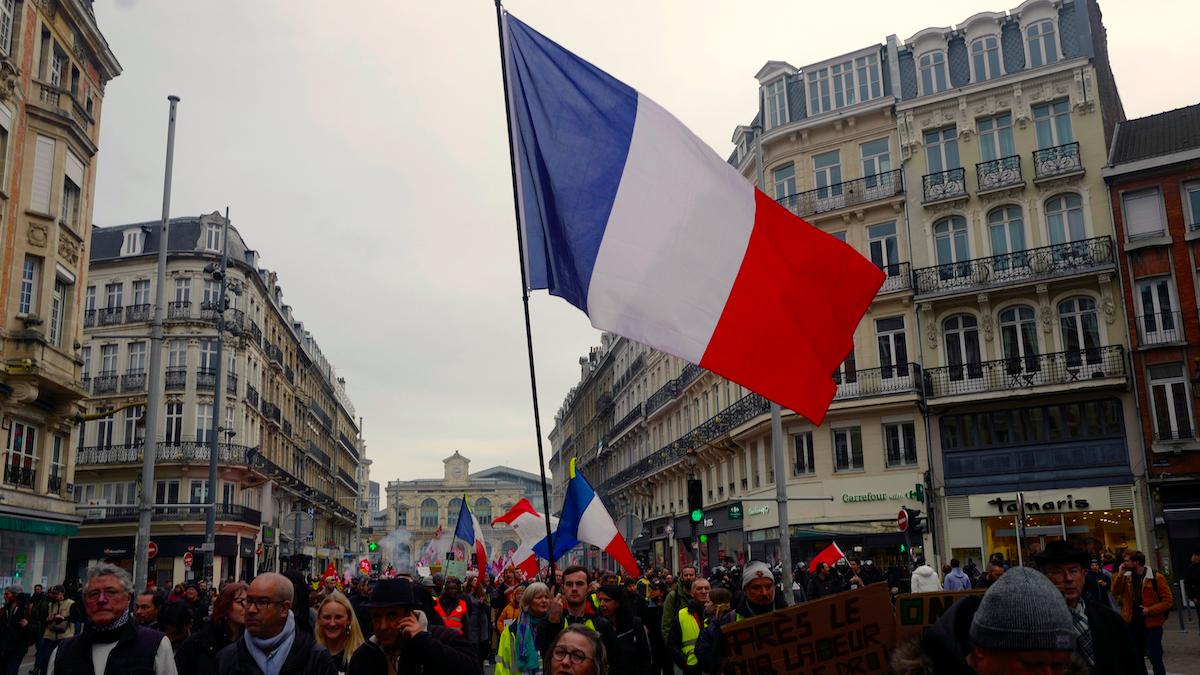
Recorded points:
(89, 299)
(876, 158)
(58, 312)
(183, 289)
(950, 244)
(1064, 217)
(113, 293)
(31, 274)
(961, 336)
(1007, 232)
(429, 514)
(174, 423)
(846, 372)
(1080, 329)
(43, 175)
(141, 292)
(785, 180)
(884, 247)
(132, 417)
(1052, 122)
(1065, 422)
(1144, 213)
(104, 428)
(1040, 38)
(134, 242)
(1158, 321)
(776, 103)
(901, 441)
(20, 461)
(847, 449)
(86, 355)
(1018, 338)
(933, 72)
(803, 448)
(985, 58)
(827, 172)
(996, 137)
(867, 71)
(8, 11)
(842, 75)
(818, 91)
(177, 354)
(58, 457)
(893, 347)
(1170, 401)
(483, 511)
(137, 357)
(204, 422)
(70, 203)
(108, 360)
(941, 149)
(402, 516)
(212, 237)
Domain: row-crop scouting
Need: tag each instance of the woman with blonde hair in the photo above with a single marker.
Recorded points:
(517, 651)
(338, 629)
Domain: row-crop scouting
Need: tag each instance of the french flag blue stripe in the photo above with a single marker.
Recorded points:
(573, 125)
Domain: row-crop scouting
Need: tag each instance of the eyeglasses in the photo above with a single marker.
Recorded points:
(575, 656)
(258, 603)
(108, 593)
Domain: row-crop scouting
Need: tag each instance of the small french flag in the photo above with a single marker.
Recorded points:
(468, 531)
(630, 217)
(584, 519)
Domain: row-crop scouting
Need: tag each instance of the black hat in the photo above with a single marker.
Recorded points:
(392, 593)
(1062, 552)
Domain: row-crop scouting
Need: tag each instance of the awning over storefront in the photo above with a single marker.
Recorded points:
(36, 526)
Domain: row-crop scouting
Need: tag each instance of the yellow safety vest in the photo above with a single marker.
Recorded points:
(588, 622)
(689, 631)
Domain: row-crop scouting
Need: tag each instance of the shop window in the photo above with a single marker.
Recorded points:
(1093, 531)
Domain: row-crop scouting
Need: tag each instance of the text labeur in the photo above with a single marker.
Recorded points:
(1068, 504)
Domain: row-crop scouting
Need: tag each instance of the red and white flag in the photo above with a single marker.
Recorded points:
(829, 556)
(530, 526)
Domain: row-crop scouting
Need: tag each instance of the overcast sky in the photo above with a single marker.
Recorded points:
(361, 149)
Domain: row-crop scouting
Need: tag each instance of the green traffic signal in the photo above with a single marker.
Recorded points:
(704, 539)
(697, 515)
(903, 548)
(372, 547)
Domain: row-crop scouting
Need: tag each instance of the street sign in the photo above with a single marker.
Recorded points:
(153, 550)
(188, 559)
(902, 520)
(735, 512)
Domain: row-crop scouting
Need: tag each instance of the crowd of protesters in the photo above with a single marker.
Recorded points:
(1065, 613)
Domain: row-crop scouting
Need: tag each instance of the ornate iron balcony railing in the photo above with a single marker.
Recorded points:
(133, 381)
(1060, 160)
(126, 514)
(110, 316)
(89, 318)
(20, 476)
(1021, 267)
(1160, 328)
(104, 383)
(251, 396)
(846, 193)
(206, 379)
(137, 313)
(998, 174)
(902, 378)
(176, 378)
(180, 309)
(1026, 372)
(899, 278)
(944, 185)
(184, 452)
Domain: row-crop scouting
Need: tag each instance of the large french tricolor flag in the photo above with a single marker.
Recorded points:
(630, 217)
(469, 532)
(584, 519)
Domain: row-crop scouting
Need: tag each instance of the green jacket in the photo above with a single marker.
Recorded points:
(676, 600)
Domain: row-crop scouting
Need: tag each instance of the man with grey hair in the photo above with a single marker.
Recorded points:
(113, 641)
(271, 645)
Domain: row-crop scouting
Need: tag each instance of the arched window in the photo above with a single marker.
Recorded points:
(1080, 330)
(483, 511)
(985, 58)
(1064, 217)
(452, 510)
(1042, 48)
(933, 72)
(1018, 338)
(429, 514)
(950, 242)
(1007, 230)
(961, 335)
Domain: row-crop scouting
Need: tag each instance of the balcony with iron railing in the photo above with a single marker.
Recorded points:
(289, 374)
(999, 174)
(630, 417)
(1160, 328)
(902, 378)
(208, 310)
(235, 513)
(134, 380)
(206, 379)
(110, 316)
(318, 454)
(231, 382)
(137, 313)
(899, 278)
(105, 383)
(176, 379)
(184, 452)
(631, 372)
(347, 478)
(179, 309)
(944, 186)
(287, 427)
(845, 194)
(89, 318)
(275, 354)
(1059, 161)
(54, 484)
(1020, 374)
(19, 476)
(1010, 269)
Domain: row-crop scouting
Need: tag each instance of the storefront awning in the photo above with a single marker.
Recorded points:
(14, 524)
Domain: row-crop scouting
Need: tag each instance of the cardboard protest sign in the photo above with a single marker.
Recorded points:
(917, 611)
(852, 632)
(456, 568)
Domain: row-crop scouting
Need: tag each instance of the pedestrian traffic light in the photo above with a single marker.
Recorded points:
(372, 547)
(695, 495)
(903, 548)
(704, 539)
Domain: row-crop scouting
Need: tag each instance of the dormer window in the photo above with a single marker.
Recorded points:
(985, 58)
(933, 72)
(867, 71)
(1040, 39)
(134, 242)
(775, 104)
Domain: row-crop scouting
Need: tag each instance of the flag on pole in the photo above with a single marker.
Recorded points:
(469, 532)
(829, 556)
(630, 217)
(584, 519)
(530, 526)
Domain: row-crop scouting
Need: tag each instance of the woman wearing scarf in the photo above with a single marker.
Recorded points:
(517, 652)
(198, 653)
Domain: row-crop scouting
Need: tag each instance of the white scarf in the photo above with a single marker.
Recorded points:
(270, 653)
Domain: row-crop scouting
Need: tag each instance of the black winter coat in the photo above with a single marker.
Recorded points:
(438, 650)
(629, 653)
(198, 653)
(306, 657)
(14, 638)
(1114, 651)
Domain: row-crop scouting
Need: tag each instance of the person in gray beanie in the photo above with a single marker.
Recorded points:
(758, 597)
(1021, 625)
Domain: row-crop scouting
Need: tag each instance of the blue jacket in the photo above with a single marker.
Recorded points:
(957, 580)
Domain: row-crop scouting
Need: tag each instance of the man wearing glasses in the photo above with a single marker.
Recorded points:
(271, 645)
(113, 641)
(404, 643)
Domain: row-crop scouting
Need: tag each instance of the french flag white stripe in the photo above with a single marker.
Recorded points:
(674, 242)
(596, 527)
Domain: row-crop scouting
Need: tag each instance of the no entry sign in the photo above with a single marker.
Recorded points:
(902, 520)
(152, 549)
(188, 558)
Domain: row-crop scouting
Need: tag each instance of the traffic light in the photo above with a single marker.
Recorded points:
(372, 547)
(695, 496)
(903, 548)
(916, 526)
(704, 539)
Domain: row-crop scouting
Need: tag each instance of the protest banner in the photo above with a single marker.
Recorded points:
(456, 569)
(917, 611)
(851, 632)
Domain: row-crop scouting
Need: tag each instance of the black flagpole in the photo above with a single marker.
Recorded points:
(512, 162)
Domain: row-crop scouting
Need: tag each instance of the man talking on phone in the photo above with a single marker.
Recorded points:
(404, 643)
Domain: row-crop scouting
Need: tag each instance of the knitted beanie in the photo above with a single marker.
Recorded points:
(756, 570)
(1023, 611)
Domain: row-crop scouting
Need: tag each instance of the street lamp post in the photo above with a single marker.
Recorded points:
(210, 521)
